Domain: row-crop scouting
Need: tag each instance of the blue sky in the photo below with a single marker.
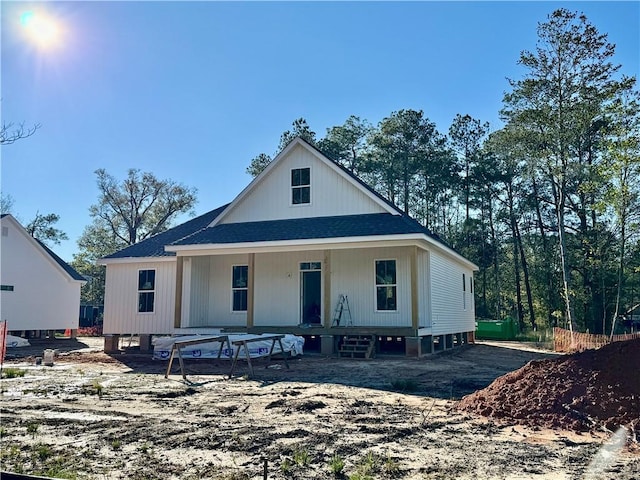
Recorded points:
(192, 91)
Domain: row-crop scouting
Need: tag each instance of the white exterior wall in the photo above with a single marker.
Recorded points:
(450, 315)
(210, 302)
(121, 299)
(353, 274)
(277, 287)
(331, 193)
(44, 297)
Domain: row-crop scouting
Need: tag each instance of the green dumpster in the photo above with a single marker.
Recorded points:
(496, 329)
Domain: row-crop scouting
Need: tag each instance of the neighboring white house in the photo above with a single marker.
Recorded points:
(39, 290)
(280, 256)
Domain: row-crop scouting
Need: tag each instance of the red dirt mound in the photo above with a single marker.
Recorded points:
(579, 392)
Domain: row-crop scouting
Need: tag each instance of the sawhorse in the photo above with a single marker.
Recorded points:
(179, 344)
(243, 344)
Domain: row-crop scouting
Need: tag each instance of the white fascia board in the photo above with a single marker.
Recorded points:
(111, 261)
(387, 207)
(415, 239)
(451, 253)
(290, 245)
(252, 185)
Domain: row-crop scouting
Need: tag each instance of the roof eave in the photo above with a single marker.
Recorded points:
(112, 261)
(418, 239)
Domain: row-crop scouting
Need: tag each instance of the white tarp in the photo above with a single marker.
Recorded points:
(13, 341)
(162, 346)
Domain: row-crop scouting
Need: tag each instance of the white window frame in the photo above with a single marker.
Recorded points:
(236, 289)
(292, 187)
(376, 284)
(146, 291)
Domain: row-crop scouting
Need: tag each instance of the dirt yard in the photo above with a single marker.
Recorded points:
(97, 416)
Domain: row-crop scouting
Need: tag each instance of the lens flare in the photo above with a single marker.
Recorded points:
(41, 30)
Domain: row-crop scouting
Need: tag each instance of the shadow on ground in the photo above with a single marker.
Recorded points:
(447, 375)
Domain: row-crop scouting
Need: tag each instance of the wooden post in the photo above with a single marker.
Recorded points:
(414, 289)
(251, 289)
(177, 316)
(326, 270)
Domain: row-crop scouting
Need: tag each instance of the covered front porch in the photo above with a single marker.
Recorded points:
(371, 286)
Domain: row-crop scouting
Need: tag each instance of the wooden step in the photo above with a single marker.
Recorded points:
(357, 345)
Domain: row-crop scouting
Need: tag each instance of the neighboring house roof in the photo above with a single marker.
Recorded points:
(73, 273)
(306, 228)
(154, 246)
(69, 270)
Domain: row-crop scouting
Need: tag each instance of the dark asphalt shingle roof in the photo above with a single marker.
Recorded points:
(195, 232)
(154, 246)
(306, 229)
(72, 272)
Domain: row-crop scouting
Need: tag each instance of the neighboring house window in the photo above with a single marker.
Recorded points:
(464, 292)
(300, 186)
(386, 287)
(239, 287)
(146, 290)
(6, 288)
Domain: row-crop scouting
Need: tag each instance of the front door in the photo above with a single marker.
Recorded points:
(311, 293)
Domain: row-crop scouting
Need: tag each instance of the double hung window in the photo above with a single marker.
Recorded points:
(386, 286)
(239, 288)
(146, 290)
(300, 186)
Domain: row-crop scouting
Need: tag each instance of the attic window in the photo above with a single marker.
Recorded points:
(300, 186)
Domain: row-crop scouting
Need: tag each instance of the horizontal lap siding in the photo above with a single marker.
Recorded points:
(449, 315)
(353, 274)
(121, 299)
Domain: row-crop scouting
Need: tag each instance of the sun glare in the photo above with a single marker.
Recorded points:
(41, 29)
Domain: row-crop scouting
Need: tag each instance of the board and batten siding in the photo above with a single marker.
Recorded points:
(121, 299)
(448, 297)
(331, 193)
(353, 275)
(277, 287)
(207, 286)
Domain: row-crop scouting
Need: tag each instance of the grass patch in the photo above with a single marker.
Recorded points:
(336, 465)
(12, 372)
(301, 458)
(95, 388)
(32, 428)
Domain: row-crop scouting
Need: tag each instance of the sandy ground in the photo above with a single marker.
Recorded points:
(97, 416)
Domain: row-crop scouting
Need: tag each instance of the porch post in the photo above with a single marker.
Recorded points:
(251, 289)
(327, 289)
(177, 316)
(414, 288)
